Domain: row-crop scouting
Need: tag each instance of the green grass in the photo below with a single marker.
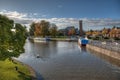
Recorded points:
(8, 71)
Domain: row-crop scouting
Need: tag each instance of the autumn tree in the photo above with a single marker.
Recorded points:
(105, 32)
(71, 32)
(89, 33)
(37, 31)
(40, 28)
(96, 33)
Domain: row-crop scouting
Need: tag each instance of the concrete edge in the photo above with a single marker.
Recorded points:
(106, 52)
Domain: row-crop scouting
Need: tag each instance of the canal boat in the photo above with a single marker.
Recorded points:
(83, 41)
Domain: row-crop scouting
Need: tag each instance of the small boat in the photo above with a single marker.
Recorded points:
(83, 41)
(39, 39)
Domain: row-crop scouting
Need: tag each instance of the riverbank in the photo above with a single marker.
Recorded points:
(31, 70)
(64, 39)
(111, 50)
(14, 70)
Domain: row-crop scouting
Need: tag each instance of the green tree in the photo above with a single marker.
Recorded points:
(32, 29)
(19, 38)
(11, 42)
(53, 30)
(44, 28)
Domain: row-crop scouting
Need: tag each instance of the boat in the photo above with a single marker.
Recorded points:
(83, 41)
(39, 39)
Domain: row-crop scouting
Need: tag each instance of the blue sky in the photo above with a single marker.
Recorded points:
(57, 11)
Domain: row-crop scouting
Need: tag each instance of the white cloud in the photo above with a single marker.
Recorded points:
(27, 19)
(61, 22)
(101, 22)
(35, 14)
(13, 14)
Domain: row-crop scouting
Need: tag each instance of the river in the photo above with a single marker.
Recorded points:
(67, 61)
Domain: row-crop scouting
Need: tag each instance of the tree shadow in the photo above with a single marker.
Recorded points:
(26, 77)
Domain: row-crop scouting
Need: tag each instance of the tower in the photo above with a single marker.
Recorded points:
(80, 27)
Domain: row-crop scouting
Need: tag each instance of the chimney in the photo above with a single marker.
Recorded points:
(80, 27)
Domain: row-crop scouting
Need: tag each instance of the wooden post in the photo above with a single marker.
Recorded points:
(16, 68)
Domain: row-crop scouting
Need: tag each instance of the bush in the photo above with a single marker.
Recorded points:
(95, 38)
(106, 37)
(89, 37)
(116, 38)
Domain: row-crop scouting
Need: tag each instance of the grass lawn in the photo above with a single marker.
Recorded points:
(8, 71)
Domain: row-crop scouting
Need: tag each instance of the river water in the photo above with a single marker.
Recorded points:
(67, 61)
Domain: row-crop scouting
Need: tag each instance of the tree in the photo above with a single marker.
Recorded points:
(37, 31)
(11, 43)
(105, 32)
(40, 28)
(95, 33)
(44, 28)
(71, 32)
(19, 38)
(53, 30)
(32, 29)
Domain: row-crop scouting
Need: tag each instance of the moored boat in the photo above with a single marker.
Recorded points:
(39, 39)
(83, 41)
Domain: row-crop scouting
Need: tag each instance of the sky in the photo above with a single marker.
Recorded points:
(94, 13)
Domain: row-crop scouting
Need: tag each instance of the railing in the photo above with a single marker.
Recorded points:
(113, 46)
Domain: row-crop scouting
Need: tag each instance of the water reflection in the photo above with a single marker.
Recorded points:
(67, 61)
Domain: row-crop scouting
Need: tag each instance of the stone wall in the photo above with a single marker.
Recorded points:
(110, 53)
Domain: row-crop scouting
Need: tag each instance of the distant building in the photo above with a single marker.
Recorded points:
(109, 33)
(115, 32)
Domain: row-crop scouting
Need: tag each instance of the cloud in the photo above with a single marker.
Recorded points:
(13, 14)
(101, 22)
(28, 18)
(61, 22)
(35, 14)
(23, 18)
(87, 23)
(16, 16)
